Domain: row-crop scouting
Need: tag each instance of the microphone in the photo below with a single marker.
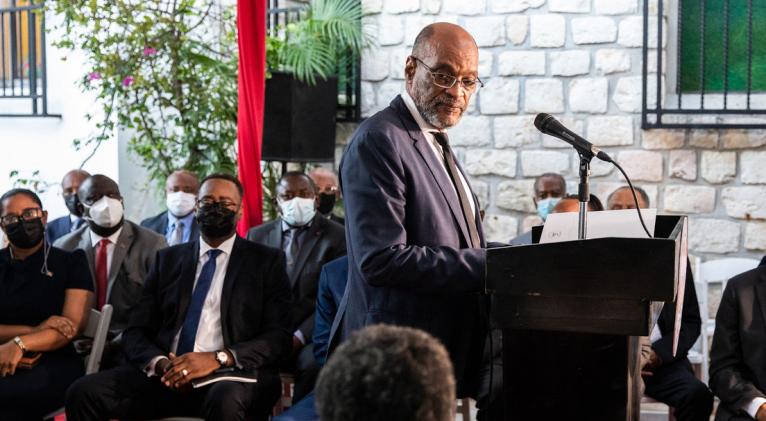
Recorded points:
(547, 124)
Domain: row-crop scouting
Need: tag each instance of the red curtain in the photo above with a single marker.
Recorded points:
(251, 27)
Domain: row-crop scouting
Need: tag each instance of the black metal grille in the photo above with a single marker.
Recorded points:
(349, 73)
(23, 76)
(713, 83)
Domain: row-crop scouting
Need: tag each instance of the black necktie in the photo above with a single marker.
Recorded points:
(449, 161)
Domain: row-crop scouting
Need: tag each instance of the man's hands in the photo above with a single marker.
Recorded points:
(761, 414)
(10, 354)
(177, 372)
(649, 359)
(297, 344)
(61, 324)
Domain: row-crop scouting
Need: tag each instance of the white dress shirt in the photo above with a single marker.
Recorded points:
(753, 406)
(95, 239)
(209, 332)
(428, 131)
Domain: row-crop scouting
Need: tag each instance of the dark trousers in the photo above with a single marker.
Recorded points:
(127, 393)
(489, 401)
(674, 384)
(30, 394)
(305, 370)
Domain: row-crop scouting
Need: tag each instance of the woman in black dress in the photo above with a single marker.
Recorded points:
(45, 297)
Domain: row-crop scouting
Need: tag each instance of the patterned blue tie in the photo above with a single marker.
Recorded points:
(191, 322)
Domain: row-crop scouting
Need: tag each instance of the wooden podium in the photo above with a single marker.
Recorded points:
(571, 314)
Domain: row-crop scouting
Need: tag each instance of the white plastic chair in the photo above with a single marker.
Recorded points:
(713, 272)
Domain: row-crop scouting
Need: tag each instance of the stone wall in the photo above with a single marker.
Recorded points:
(580, 60)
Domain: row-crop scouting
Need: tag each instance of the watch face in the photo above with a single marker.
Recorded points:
(221, 357)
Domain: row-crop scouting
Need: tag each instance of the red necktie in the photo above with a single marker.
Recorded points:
(102, 272)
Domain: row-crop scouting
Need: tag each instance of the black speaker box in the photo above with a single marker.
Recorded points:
(299, 119)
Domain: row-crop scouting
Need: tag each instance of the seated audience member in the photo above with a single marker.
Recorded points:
(670, 379)
(44, 302)
(328, 192)
(59, 227)
(332, 283)
(216, 302)
(549, 189)
(119, 252)
(738, 354)
(177, 223)
(571, 203)
(384, 373)
(309, 240)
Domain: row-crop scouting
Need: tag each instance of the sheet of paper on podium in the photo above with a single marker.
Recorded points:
(617, 223)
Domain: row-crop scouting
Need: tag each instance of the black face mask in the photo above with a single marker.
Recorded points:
(26, 234)
(216, 220)
(326, 203)
(72, 202)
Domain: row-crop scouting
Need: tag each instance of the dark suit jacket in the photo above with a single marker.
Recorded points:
(332, 284)
(690, 324)
(324, 241)
(410, 261)
(763, 261)
(159, 224)
(254, 305)
(133, 255)
(738, 354)
(58, 228)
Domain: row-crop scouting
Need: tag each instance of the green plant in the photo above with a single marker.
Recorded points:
(329, 32)
(166, 71)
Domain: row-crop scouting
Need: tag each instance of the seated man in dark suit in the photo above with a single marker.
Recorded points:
(216, 302)
(670, 379)
(738, 354)
(177, 223)
(119, 252)
(62, 226)
(332, 283)
(309, 240)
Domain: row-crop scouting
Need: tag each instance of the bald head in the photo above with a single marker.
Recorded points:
(444, 54)
(97, 186)
(182, 180)
(72, 180)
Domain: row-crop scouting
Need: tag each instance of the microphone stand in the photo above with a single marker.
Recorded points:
(583, 193)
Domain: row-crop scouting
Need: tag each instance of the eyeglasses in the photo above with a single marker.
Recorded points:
(27, 214)
(446, 81)
(209, 202)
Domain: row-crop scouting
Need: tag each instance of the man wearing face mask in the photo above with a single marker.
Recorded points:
(550, 188)
(216, 302)
(177, 224)
(309, 240)
(119, 252)
(328, 192)
(62, 226)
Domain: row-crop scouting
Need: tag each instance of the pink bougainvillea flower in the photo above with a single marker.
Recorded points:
(149, 51)
(94, 76)
(127, 81)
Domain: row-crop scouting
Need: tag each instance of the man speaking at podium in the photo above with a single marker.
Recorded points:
(414, 235)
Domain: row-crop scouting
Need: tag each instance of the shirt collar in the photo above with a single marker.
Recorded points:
(172, 219)
(225, 247)
(95, 238)
(422, 123)
(73, 218)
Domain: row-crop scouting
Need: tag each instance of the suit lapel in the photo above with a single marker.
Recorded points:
(87, 246)
(186, 281)
(309, 242)
(274, 237)
(163, 228)
(760, 292)
(120, 251)
(232, 271)
(437, 168)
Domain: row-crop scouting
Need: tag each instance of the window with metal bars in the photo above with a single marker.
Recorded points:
(23, 79)
(714, 64)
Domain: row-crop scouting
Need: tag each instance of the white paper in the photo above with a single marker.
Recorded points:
(622, 223)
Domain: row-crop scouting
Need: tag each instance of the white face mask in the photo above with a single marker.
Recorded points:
(297, 211)
(105, 212)
(180, 203)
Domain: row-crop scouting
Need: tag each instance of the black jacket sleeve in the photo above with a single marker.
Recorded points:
(145, 322)
(691, 324)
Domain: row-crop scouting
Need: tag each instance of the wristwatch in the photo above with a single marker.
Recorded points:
(222, 357)
(17, 340)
